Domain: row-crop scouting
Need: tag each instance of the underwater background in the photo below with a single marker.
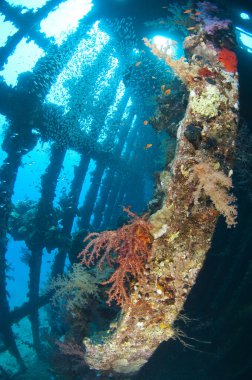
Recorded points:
(81, 143)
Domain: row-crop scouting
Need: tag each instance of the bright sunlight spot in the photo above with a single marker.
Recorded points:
(7, 29)
(245, 38)
(23, 59)
(165, 44)
(245, 16)
(65, 19)
(30, 4)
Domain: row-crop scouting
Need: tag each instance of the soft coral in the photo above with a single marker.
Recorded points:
(228, 59)
(128, 248)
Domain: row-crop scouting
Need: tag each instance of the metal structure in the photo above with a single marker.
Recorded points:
(117, 157)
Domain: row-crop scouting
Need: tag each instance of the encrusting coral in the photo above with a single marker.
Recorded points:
(196, 193)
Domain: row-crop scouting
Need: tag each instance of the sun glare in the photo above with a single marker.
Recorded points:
(165, 44)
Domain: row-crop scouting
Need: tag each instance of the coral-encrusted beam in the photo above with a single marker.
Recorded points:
(197, 191)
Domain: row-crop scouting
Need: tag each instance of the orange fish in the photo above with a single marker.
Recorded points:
(187, 11)
(146, 122)
(167, 92)
(191, 28)
(197, 13)
(138, 63)
(148, 146)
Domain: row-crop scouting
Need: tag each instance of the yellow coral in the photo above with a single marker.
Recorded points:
(207, 103)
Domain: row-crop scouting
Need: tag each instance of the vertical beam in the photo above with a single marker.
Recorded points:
(102, 200)
(122, 138)
(8, 173)
(15, 144)
(111, 201)
(36, 242)
(91, 196)
(116, 209)
(121, 131)
(133, 195)
(70, 213)
(117, 128)
(130, 139)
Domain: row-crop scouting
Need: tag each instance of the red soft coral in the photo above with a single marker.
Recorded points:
(128, 248)
(228, 59)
